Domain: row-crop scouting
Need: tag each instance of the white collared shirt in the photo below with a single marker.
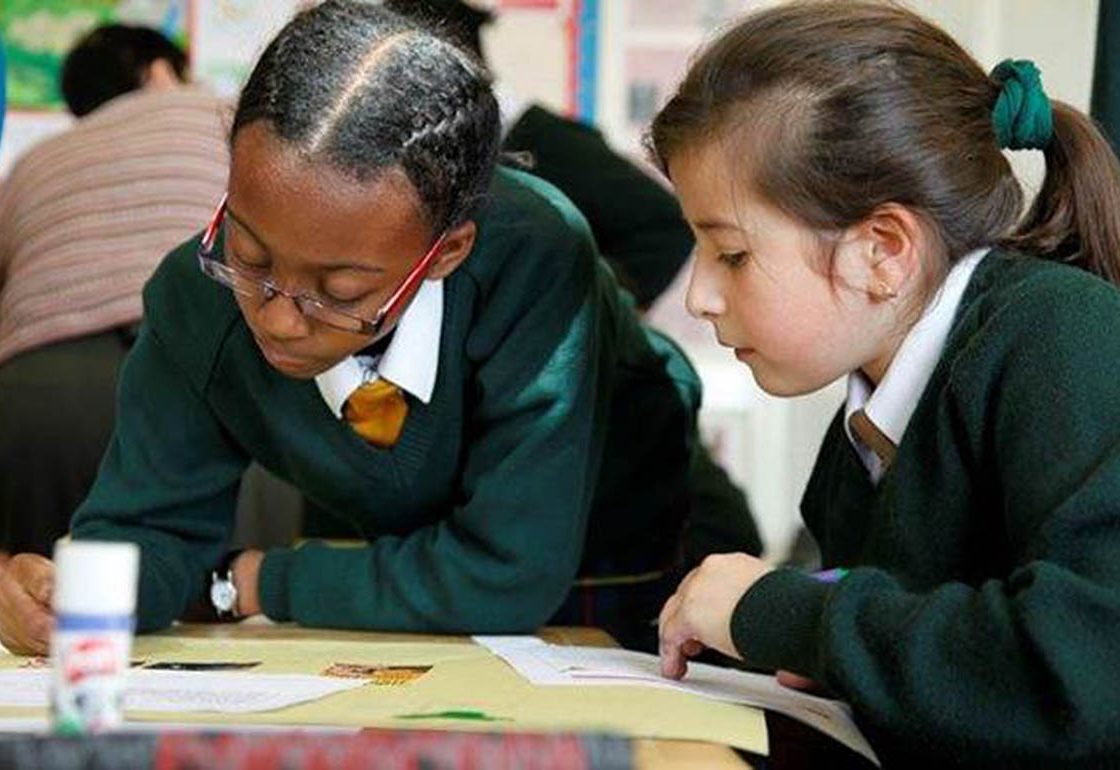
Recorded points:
(410, 362)
(892, 403)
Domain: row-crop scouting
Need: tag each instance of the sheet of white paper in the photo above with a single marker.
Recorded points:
(41, 726)
(181, 691)
(548, 664)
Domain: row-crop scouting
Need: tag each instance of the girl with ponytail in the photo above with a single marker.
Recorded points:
(842, 166)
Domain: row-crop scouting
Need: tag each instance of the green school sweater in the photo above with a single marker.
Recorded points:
(980, 622)
(559, 433)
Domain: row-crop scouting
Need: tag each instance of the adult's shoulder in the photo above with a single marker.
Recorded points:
(538, 125)
(165, 138)
(143, 102)
(572, 154)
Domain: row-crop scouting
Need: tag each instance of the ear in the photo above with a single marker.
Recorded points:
(892, 240)
(457, 245)
(161, 75)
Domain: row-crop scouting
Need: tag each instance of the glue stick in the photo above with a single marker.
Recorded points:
(94, 608)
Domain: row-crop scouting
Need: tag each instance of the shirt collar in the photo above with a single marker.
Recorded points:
(411, 361)
(891, 405)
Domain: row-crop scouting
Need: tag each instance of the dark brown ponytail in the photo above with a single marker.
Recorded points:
(1076, 216)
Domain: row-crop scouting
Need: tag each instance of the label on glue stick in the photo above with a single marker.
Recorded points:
(89, 656)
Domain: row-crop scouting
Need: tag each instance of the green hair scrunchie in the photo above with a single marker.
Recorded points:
(1022, 114)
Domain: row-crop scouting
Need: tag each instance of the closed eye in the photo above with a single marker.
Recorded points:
(239, 262)
(734, 259)
(349, 303)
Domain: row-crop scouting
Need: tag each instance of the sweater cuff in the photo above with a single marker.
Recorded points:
(272, 584)
(777, 621)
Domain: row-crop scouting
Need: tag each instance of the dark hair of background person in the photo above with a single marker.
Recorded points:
(454, 19)
(113, 60)
(362, 90)
(839, 108)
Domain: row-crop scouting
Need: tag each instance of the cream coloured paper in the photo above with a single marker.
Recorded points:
(465, 678)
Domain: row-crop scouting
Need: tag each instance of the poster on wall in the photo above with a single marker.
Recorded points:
(229, 35)
(545, 52)
(662, 36)
(38, 33)
(684, 14)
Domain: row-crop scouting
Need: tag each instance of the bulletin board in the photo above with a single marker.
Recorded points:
(547, 50)
(38, 33)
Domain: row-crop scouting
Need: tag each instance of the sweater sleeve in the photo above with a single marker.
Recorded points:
(503, 557)
(168, 482)
(1023, 668)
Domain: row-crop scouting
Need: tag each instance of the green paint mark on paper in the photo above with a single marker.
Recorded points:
(463, 714)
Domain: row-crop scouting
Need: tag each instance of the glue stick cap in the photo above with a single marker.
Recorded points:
(95, 578)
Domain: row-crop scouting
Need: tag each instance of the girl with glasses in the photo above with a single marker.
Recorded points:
(426, 346)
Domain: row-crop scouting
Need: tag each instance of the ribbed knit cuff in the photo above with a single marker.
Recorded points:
(775, 624)
(273, 584)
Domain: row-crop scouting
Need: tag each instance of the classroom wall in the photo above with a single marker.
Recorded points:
(529, 49)
(226, 37)
(643, 46)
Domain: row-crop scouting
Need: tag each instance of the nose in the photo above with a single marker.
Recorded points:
(279, 316)
(704, 299)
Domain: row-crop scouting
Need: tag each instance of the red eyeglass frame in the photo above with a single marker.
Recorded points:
(395, 303)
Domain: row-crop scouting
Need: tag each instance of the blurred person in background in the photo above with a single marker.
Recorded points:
(84, 218)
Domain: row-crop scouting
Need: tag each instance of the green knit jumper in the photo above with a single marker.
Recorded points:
(980, 622)
(559, 435)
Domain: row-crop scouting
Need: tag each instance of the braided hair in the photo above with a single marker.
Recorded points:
(361, 89)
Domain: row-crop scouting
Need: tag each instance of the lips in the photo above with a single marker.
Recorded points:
(740, 353)
(283, 361)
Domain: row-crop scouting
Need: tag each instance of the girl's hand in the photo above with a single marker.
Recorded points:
(246, 579)
(698, 615)
(26, 584)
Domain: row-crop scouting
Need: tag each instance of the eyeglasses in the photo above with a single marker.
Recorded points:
(310, 306)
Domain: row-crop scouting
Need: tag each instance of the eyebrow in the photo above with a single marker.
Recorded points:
(717, 224)
(330, 267)
(241, 223)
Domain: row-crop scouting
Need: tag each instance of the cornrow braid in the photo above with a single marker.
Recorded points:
(355, 86)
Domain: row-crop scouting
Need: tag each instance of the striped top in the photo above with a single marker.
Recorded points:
(85, 216)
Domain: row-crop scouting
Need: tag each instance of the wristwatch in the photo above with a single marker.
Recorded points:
(223, 593)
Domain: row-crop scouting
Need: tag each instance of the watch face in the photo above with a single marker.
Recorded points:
(223, 595)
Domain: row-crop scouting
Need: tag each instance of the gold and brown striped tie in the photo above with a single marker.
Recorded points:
(873, 438)
(377, 411)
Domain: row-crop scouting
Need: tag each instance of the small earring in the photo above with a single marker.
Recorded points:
(885, 291)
